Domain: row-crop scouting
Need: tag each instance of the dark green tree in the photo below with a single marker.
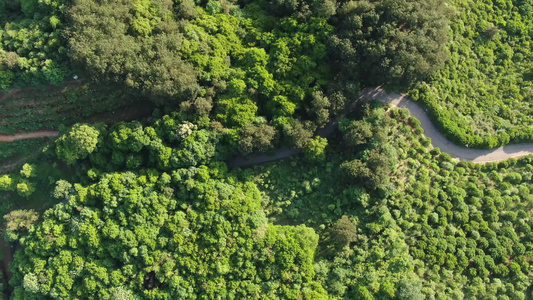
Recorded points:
(392, 41)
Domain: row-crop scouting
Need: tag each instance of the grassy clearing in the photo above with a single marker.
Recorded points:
(37, 109)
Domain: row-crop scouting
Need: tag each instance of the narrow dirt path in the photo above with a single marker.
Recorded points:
(27, 135)
(439, 140)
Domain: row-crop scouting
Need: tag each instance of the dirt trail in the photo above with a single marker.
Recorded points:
(28, 135)
(398, 100)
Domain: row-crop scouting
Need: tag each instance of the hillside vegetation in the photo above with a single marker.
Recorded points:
(148, 208)
(32, 49)
(418, 226)
(394, 219)
(483, 96)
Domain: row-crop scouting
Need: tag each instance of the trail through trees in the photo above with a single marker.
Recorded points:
(437, 138)
(28, 135)
(395, 99)
(461, 152)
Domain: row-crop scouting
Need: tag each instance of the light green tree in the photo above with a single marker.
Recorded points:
(80, 141)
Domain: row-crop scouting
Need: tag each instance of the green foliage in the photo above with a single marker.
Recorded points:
(239, 61)
(128, 137)
(435, 228)
(298, 133)
(344, 232)
(395, 42)
(77, 143)
(25, 188)
(18, 222)
(315, 149)
(28, 171)
(150, 211)
(125, 237)
(319, 108)
(236, 112)
(32, 47)
(482, 95)
(256, 138)
(119, 41)
(356, 133)
(7, 183)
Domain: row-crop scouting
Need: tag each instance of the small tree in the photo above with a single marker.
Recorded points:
(256, 138)
(355, 169)
(25, 188)
(319, 108)
(19, 221)
(409, 290)
(62, 189)
(357, 133)
(78, 143)
(299, 133)
(344, 232)
(7, 183)
(28, 171)
(314, 150)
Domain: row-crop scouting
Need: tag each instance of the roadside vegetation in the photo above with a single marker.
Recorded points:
(434, 229)
(389, 216)
(483, 96)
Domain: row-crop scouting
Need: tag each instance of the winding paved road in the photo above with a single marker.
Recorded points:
(437, 138)
(398, 100)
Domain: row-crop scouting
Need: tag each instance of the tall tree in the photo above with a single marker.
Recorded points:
(77, 143)
(392, 41)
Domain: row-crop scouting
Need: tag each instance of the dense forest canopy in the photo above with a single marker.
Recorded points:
(433, 229)
(394, 42)
(245, 57)
(162, 236)
(384, 219)
(153, 208)
(32, 49)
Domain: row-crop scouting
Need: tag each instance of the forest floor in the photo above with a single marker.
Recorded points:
(18, 93)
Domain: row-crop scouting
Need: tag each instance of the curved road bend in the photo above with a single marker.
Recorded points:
(439, 140)
(395, 99)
